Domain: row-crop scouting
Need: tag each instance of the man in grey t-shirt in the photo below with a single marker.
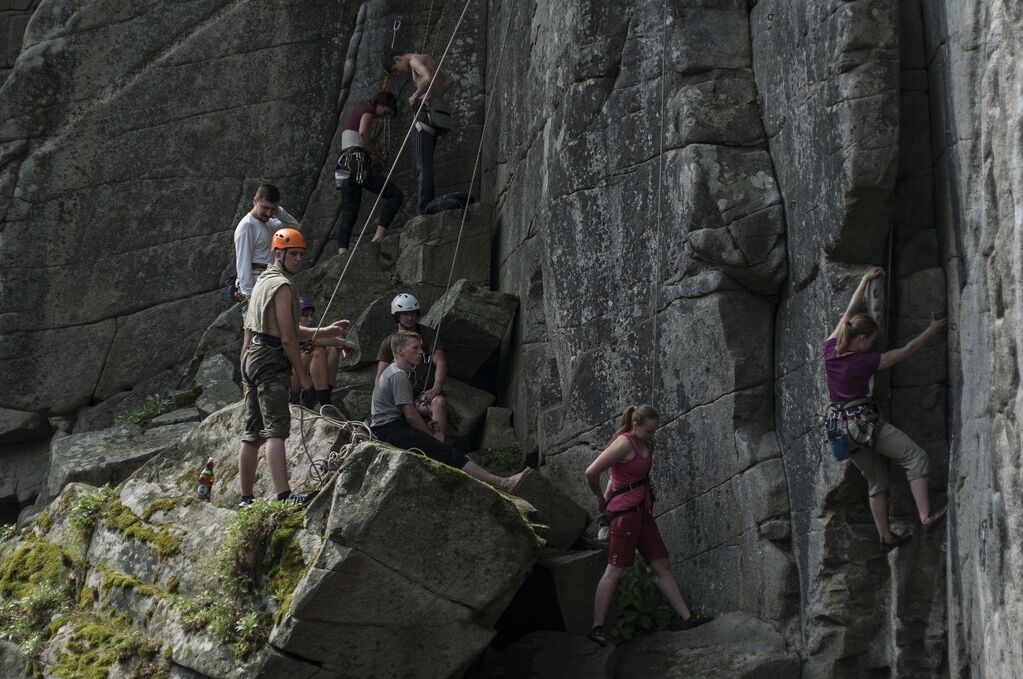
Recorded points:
(396, 420)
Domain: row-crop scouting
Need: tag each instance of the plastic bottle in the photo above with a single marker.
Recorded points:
(204, 490)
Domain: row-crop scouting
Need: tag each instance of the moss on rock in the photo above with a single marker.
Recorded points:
(119, 518)
(34, 563)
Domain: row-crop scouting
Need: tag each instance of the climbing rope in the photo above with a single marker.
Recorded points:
(472, 181)
(323, 468)
(657, 233)
(390, 172)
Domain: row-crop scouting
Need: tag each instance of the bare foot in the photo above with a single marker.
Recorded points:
(509, 482)
(342, 251)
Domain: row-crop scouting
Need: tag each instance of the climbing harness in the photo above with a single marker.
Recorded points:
(351, 164)
(849, 425)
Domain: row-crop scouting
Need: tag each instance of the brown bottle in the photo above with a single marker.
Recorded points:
(204, 491)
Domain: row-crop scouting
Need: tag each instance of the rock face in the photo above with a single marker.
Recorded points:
(370, 597)
(734, 645)
(156, 566)
(646, 276)
(682, 197)
(111, 136)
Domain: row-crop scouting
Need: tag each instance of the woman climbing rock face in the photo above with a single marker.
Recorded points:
(627, 503)
(850, 362)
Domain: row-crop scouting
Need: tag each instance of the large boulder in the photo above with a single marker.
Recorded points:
(19, 425)
(563, 520)
(428, 248)
(734, 645)
(472, 323)
(467, 406)
(416, 556)
(23, 470)
(576, 575)
(108, 455)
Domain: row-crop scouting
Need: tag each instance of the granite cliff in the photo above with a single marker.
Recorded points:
(681, 195)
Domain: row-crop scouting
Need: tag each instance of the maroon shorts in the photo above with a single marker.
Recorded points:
(631, 531)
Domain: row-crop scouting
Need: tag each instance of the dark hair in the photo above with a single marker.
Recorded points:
(635, 415)
(269, 193)
(860, 324)
(402, 338)
(386, 99)
(389, 59)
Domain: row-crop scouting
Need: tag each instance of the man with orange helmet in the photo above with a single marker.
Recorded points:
(271, 350)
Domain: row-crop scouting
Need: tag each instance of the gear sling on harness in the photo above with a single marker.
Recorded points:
(850, 425)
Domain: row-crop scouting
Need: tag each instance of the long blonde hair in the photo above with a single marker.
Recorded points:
(633, 416)
(860, 324)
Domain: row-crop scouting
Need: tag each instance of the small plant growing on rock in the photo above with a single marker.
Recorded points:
(86, 512)
(7, 531)
(642, 609)
(153, 406)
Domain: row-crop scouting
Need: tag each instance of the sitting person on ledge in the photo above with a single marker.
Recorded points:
(397, 421)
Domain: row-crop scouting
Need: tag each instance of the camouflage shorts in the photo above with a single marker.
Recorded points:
(267, 400)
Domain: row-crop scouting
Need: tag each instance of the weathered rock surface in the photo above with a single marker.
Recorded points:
(14, 663)
(23, 470)
(18, 425)
(219, 389)
(467, 406)
(108, 455)
(428, 248)
(370, 596)
(498, 433)
(734, 645)
(472, 324)
(563, 519)
(575, 576)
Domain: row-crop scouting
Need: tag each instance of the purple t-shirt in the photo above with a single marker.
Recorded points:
(850, 375)
(354, 117)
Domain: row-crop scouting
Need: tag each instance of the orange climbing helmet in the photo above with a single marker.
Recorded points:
(285, 239)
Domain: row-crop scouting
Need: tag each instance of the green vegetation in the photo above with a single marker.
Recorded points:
(500, 461)
(34, 563)
(95, 644)
(164, 504)
(34, 586)
(25, 620)
(641, 607)
(8, 531)
(152, 406)
(259, 553)
(86, 511)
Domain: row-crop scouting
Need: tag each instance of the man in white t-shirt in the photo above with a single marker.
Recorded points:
(253, 234)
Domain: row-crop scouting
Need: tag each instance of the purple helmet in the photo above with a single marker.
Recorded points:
(304, 303)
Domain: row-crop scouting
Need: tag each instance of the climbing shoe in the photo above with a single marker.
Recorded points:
(245, 501)
(936, 519)
(897, 542)
(597, 635)
(678, 624)
(300, 499)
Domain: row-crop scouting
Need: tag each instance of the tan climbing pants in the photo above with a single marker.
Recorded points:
(893, 444)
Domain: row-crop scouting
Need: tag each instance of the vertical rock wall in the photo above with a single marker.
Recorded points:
(14, 17)
(647, 276)
(973, 50)
(132, 137)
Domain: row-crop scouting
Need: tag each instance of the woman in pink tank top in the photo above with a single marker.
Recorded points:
(628, 502)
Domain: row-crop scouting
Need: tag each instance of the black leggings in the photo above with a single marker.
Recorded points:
(351, 201)
(400, 435)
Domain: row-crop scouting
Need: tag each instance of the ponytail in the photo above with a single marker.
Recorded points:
(634, 415)
(860, 324)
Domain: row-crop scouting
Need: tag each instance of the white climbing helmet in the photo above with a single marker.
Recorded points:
(404, 302)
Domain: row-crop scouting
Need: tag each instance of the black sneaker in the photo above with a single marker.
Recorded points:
(898, 542)
(245, 502)
(678, 624)
(597, 635)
